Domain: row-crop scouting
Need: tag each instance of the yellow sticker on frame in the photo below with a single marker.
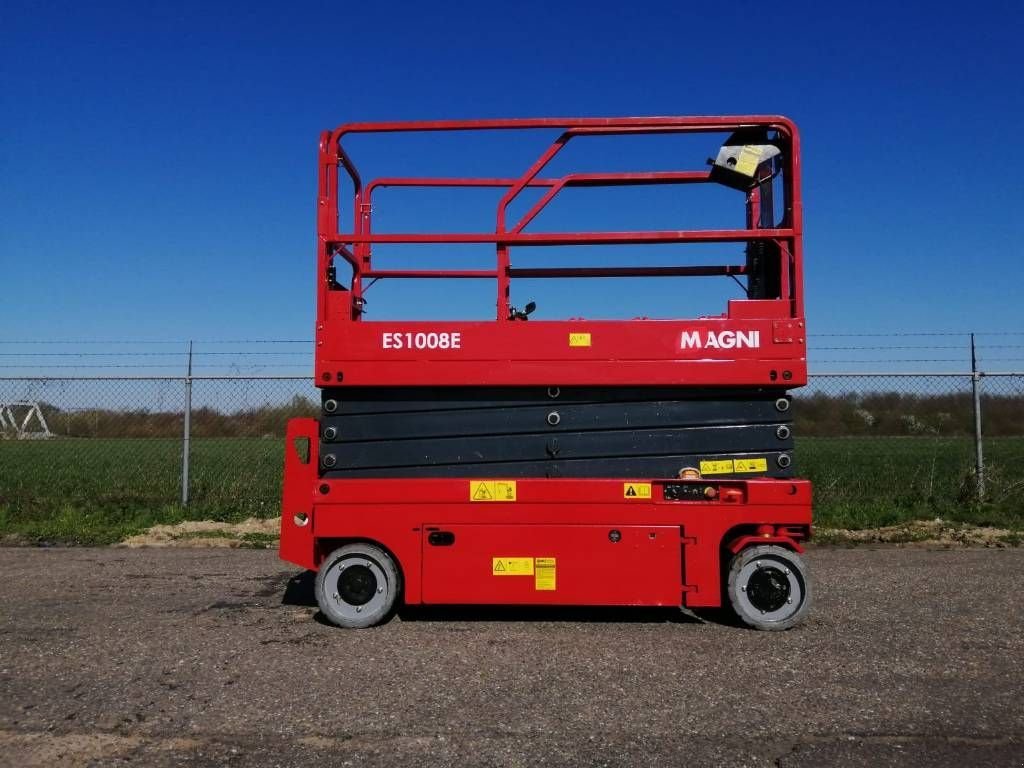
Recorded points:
(512, 566)
(751, 465)
(544, 579)
(636, 490)
(748, 160)
(492, 490)
(579, 339)
(717, 467)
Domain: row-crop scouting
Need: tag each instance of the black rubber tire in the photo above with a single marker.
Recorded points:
(385, 586)
(786, 565)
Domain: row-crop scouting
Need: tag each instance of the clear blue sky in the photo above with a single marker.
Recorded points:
(157, 164)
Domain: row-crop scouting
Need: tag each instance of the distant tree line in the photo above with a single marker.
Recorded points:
(896, 413)
(823, 415)
(261, 421)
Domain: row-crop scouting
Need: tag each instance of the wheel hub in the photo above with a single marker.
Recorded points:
(768, 589)
(357, 585)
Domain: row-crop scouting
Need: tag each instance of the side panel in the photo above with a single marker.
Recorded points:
(567, 520)
(297, 494)
(552, 564)
(706, 352)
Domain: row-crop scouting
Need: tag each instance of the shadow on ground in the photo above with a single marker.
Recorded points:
(299, 591)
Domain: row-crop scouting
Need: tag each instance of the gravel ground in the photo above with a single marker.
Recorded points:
(218, 657)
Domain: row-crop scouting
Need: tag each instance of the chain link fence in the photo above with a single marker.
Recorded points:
(120, 442)
(890, 447)
(880, 448)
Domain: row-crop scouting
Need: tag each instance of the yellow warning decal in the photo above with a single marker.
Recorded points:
(579, 339)
(636, 490)
(751, 465)
(748, 160)
(544, 575)
(512, 566)
(717, 467)
(492, 490)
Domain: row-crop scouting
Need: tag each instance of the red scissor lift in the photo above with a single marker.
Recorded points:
(632, 462)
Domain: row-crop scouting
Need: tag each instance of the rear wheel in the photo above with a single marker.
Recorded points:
(357, 586)
(768, 587)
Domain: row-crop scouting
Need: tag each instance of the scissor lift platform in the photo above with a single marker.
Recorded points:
(558, 462)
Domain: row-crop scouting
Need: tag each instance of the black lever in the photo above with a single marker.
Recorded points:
(515, 314)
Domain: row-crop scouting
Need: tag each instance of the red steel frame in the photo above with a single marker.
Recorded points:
(622, 352)
(549, 516)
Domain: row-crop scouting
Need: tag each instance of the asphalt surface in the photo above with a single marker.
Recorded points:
(217, 657)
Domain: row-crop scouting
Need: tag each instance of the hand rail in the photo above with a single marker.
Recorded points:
(361, 239)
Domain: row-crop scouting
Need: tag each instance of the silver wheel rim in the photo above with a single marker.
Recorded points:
(793, 602)
(334, 590)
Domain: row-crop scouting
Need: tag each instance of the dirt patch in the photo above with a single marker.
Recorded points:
(82, 749)
(925, 533)
(253, 533)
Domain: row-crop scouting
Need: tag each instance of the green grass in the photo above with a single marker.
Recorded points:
(872, 482)
(98, 491)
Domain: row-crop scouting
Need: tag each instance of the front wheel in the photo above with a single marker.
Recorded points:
(768, 587)
(357, 586)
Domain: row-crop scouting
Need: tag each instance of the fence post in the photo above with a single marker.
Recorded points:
(979, 460)
(187, 431)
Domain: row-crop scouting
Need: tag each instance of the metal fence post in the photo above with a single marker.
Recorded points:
(979, 460)
(187, 431)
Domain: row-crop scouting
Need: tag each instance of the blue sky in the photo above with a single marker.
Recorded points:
(158, 164)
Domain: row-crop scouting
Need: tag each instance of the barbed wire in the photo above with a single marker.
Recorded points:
(900, 334)
(892, 360)
(995, 350)
(244, 353)
(240, 353)
(156, 341)
(916, 346)
(144, 342)
(148, 365)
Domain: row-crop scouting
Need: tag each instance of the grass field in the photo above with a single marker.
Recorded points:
(97, 491)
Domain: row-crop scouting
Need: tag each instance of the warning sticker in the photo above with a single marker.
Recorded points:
(636, 490)
(544, 575)
(751, 465)
(748, 160)
(492, 490)
(717, 467)
(579, 339)
(512, 566)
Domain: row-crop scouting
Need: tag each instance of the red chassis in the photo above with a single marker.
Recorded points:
(670, 552)
(579, 541)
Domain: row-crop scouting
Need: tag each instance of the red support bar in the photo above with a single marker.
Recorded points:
(575, 238)
(574, 179)
(611, 180)
(442, 181)
(646, 124)
(695, 271)
(527, 177)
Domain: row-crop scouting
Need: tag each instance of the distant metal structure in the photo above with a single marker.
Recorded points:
(23, 420)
